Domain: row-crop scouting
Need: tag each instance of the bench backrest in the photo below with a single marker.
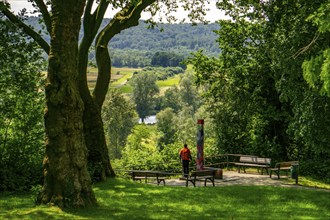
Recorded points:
(255, 160)
(261, 160)
(245, 159)
(143, 174)
(286, 164)
(203, 173)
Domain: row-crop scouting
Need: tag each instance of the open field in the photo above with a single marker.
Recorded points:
(120, 76)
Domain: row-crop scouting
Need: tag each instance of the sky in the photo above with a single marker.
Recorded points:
(213, 15)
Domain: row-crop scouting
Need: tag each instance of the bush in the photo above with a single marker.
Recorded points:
(316, 168)
(21, 110)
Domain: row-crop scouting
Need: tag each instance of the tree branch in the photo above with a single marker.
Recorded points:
(45, 14)
(92, 23)
(304, 49)
(129, 16)
(28, 30)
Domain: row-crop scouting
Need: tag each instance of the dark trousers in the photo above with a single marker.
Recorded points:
(185, 167)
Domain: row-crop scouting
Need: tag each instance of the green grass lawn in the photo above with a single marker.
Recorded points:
(124, 199)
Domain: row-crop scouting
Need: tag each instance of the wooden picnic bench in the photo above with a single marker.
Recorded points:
(252, 161)
(282, 166)
(204, 175)
(140, 175)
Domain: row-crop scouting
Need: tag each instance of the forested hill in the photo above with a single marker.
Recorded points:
(174, 37)
(137, 45)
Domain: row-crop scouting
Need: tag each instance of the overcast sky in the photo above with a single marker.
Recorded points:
(213, 15)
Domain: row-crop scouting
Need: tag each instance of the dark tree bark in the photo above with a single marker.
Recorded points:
(67, 182)
(98, 157)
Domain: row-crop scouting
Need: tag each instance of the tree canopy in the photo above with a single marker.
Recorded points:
(258, 94)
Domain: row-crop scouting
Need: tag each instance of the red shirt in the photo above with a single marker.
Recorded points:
(185, 154)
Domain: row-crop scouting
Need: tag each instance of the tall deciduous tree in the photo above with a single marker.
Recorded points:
(171, 99)
(257, 90)
(144, 91)
(119, 118)
(188, 92)
(166, 127)
(74, 127)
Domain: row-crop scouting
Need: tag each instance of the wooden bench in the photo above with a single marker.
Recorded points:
(146, 174)
(204, 175)
(251, 161)
(282, 166)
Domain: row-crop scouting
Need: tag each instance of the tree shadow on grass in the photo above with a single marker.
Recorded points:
(124, 199)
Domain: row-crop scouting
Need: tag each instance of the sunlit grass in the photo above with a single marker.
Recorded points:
(169, 82)
(124, 199)
(126, 89)
(308, 182)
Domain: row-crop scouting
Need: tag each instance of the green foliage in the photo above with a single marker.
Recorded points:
(144, 92)
(241, 93)
(119, 118)
(163, 73)
(166, 59)
(188, 92)
(180, 39)
(296, 35)
(136, 47)
(21, 110)
(256, 92)
(171, 99)
(317, 69)
(141, 150)
(166, 127)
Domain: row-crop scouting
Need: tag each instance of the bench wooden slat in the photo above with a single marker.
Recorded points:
(201, 175)
(140, 175)
(253, 161)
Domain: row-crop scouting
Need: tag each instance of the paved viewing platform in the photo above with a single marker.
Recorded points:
(234, 178)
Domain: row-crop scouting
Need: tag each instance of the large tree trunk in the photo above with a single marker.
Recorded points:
(98, 155)
(67, 182)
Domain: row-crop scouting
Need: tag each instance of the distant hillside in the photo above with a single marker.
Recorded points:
(135, 46)
(175, 37)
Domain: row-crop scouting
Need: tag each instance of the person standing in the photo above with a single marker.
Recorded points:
(185, 157)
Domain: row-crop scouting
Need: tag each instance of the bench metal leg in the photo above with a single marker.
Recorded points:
(160, 180)
(190, 180)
